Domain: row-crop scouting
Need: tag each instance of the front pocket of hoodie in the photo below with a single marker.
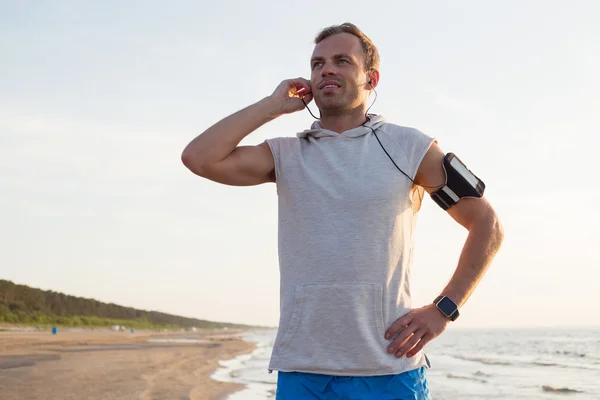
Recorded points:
(335, 326)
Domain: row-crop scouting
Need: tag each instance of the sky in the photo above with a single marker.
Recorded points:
(98, 100)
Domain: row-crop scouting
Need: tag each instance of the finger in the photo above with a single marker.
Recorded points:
(410, 343)
(424, 340)
(397, 325)
(300, 83)
(401, 338)
(303, 92)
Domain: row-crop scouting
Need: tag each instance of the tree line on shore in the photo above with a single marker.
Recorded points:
(21, 304)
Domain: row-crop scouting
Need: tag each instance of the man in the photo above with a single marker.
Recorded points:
(346, 220)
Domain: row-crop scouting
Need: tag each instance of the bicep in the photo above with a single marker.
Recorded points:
(431, 177)
(245, 166)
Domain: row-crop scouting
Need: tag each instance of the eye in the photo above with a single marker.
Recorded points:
(342, 60)
(316, 64)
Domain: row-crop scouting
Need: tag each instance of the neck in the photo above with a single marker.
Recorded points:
(343, 121)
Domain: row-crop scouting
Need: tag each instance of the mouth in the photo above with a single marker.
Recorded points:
(329, 85)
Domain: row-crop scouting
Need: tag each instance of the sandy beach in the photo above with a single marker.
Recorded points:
(108, 365)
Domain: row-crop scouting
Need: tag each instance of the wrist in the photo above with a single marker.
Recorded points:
(447, 307)
(271, 107)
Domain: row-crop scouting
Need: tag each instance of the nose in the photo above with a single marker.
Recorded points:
(328, 69)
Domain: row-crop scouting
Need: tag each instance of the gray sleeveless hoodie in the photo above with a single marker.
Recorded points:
(346, 228)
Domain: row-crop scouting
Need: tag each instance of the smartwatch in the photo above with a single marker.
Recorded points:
(447, 307)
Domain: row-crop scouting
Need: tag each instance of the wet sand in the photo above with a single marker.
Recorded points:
(115, 365)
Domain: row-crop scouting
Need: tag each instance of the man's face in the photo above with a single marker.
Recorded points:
(338, 74)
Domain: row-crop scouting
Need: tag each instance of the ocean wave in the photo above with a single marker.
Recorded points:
(569, 366)
(483, 360)
(570, 353)
(548, 364)
(547, 388)
(467, 378)
(481, 373)
(590, 358)
(539, 363)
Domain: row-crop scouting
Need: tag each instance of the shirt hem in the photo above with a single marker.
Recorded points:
(379, 372)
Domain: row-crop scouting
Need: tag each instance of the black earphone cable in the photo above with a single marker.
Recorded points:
(404, 173)
(306, 105)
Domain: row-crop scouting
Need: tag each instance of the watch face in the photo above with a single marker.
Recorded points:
(447, 306)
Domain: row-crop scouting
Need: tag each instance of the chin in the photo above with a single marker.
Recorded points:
(331, 105)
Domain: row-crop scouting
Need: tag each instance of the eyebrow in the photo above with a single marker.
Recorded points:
(335, 56)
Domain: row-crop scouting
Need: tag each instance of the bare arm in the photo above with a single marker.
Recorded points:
(478, 217)
(420, 326)
(216, 155)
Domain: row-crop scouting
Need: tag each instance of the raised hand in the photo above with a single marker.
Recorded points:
(289, 93)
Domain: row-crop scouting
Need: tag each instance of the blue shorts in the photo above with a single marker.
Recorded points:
(410, 385)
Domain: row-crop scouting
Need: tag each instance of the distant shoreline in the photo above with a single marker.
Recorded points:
(104, 328)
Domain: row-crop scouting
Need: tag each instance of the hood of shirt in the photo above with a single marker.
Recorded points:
(317, 132)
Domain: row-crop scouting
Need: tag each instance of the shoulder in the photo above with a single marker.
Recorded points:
(402, 132)
(282, 141)
(282, 144)
(413, 142)
(281, 147)
(408, 138)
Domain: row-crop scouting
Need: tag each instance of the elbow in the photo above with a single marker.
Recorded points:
(498, 232)
(191, 162)
(496, 228)
(486, 223)
(186, 158)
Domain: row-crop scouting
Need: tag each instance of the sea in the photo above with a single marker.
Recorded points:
(468, 364)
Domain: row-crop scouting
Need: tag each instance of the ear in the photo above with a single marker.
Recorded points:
(373, 79)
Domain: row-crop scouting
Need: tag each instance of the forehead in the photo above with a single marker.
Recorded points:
(341, 43)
